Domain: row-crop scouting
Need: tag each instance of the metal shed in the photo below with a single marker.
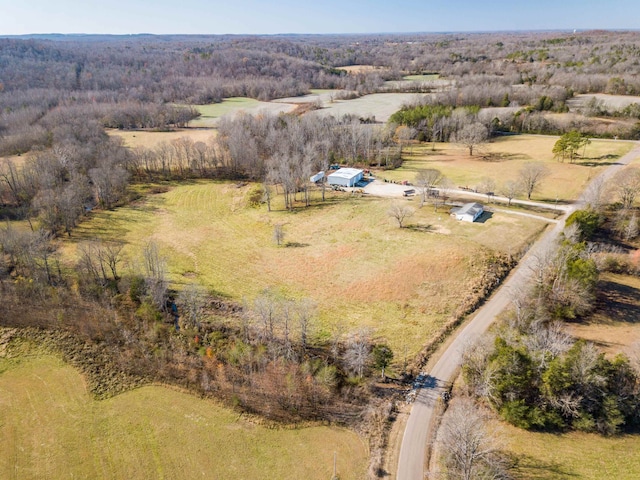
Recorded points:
(317, 177)
(345, 177)
(469, 212)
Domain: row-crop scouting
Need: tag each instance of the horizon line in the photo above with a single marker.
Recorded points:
(443, 32)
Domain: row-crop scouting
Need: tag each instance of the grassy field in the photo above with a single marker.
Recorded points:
(615, 325)
(614, 102)
(379, 105)
(51, 428)
(422, 78)
(575, 456)
(149, 139)
(361, 68)
(212, 112)
(504, 157)
(347, 255)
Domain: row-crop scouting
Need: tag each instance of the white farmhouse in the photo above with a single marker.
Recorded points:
(469, 212)
(345, 177)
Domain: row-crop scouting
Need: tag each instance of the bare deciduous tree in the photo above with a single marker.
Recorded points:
(357, 356)
(191, 301)
(278, 233)
(475, 366)
(305, 310)
(531, 174)
(471, 135)
(487, 185)
(400, 212)
(155, 273)
(547, 341)
(594, 192)
(428, 178)
(631, 232)
(266, 308)
(626, 185)
(511, 189)
(443, 193)
(469, 447)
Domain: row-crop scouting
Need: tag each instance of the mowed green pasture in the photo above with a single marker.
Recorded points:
(575, 456)
(503, 158)
(209, 114)
(347, 254)
(50, 427)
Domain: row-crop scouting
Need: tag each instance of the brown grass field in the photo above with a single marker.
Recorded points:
(355, 69)
(615, 325)
(503, 158)
(150, 139)
(347, 254)
(575, 456)
(50, 427)
(379, 105)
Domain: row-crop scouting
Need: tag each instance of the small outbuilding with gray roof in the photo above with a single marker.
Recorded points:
(469, 212)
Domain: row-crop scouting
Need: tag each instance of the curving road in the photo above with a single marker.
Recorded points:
(411, 464)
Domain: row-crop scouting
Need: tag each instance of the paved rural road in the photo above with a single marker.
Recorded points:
(411, 464)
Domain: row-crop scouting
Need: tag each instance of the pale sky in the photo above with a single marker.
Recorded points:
(318, 16)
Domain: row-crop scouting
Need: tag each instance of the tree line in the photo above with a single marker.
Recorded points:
(530, 370)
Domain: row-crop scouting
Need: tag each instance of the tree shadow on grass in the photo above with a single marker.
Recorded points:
(500, 157)
(295, 245)
(599, 161)
(618, 302)
(530, 468)
(419, 228)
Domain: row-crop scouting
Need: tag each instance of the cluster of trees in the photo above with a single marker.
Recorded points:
(535, 374)
(442, 123)
(81, 168)
(537, 377)
(284, 150)
(569, 146)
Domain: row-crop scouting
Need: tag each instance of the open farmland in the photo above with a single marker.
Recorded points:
(50, 427)
(504, 157)
(210, 114)
(378, 105)
(576, 456)
(203, 127)
(356, 69)
(150, 139)
(347, 254)
(612, 102)
(319, 95)
(615, 324)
